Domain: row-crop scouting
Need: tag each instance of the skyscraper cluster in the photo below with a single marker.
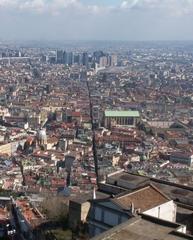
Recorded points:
(70, 58)
(88, 60)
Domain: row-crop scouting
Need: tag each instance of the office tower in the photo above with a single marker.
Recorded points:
(103, 61)
(4, 55)
(43, 58)
(77, 59)
(52, 59)
(16, 53)
(85, 59)
(113, 60)
(70, 58)
(65, 57)
(59, 56)
(97, 55)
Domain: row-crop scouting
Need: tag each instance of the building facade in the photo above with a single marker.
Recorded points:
(123, 118)
(107, 213)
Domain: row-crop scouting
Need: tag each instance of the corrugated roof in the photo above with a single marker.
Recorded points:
(111, 113)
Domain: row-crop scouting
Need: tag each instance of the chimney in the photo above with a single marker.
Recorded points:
(94, 193)
(132, 208)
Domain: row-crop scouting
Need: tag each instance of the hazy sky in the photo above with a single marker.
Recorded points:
(96, 19)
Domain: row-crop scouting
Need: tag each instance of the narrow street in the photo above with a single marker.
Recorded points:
(93, 134)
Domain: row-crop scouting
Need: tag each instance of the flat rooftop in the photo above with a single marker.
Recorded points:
(176, 192)
(144, 228)
(84, 197)
(126, 177)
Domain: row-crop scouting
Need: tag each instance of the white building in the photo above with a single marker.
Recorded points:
(107, 213)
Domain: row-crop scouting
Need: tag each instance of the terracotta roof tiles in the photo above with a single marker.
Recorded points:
(143, 199)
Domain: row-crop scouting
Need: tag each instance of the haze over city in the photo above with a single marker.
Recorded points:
(96, 19)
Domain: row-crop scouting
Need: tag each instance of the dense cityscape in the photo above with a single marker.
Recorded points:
(96, 140)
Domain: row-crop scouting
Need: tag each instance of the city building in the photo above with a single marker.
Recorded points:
(59, 56)
(124, 118)
(147, 228)
(181, 157)
(110, 212)
(85, 59)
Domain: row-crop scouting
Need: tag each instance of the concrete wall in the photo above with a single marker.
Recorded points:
(74, 214)
(25, 228)
(104, 216)
(126, 183)
(78, 213)
(166, 211)
(111, 218)
(110, 188)
(84, 211)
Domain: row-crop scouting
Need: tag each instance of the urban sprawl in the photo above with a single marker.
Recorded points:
(96, 141)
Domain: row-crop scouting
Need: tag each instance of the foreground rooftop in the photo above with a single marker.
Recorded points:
(145, 228)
